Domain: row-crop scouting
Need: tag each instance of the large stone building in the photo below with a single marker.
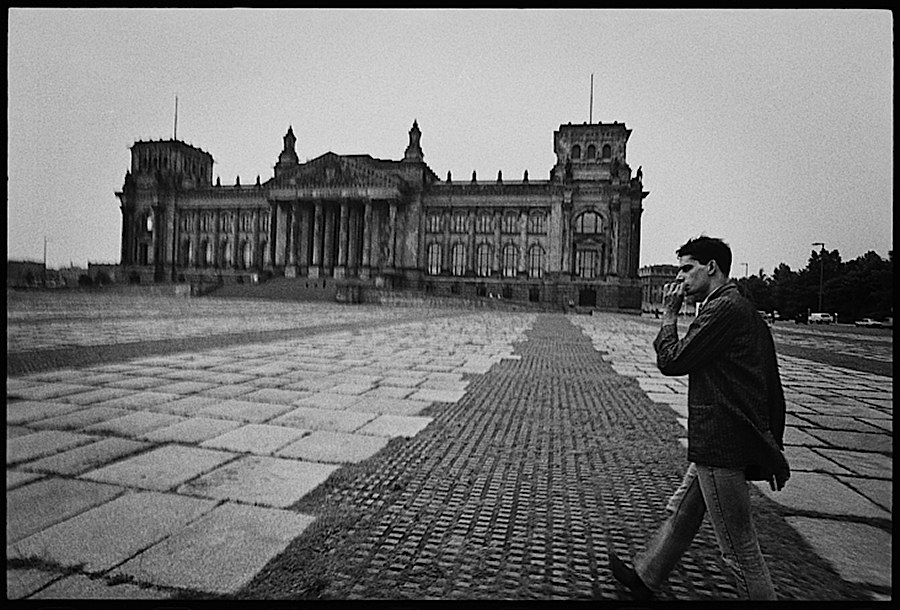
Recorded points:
(373, 223)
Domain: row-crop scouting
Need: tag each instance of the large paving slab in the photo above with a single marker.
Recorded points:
(45, 442)
(261, 439)
(79, 586)
(18, 478)
(162, 468)
(26, 411)
(134, 424)
(220, 552)
(243, 410)
(335, 447)
(192, 430)
(396, 425)
(80, 419)
(23, 582)
(268, 481)
(863, 463)
(312, 418)
(86, 457)
(393, 406)
(107, 535)
(859, 552)
(824, 494)
(845, 439)
(43, 503)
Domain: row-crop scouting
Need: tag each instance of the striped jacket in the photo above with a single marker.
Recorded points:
(736, 407)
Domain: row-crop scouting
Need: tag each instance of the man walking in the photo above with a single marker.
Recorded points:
(736, 414)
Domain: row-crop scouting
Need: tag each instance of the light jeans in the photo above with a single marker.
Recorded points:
(725, 495)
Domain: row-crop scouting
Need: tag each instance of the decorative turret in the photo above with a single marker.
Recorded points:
(414, 150)
(288, 157)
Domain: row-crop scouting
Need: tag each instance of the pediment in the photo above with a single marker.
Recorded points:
(331, 170)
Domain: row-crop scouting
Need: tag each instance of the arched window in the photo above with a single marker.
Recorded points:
(536, 262)
(510, 260)
(589, 223)
(483, 260)
(207, 253)
(576, 152)
(458, 259)
(591, 151)
(607, 151)
(434, 259)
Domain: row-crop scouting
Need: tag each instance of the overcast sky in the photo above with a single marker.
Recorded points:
(772, 129)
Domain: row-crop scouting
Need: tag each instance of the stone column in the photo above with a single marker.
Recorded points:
(392, 237)
(315, 269)
(353, 246)
(447, 223)
(367, 240)
(498, 244)
(523, 242)
(236, 254)
(217, 220)
(470, 242)
(290, 268)
(340, 270)
(328, 249)
(303, 213)
(195, 230)
(255, 261)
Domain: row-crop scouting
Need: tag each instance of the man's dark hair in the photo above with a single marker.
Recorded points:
(705, 249)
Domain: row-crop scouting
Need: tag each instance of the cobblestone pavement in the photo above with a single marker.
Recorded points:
(470, 455)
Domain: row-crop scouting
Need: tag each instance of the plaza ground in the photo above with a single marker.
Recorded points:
(198, 448)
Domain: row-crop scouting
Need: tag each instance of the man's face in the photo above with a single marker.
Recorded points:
(695, 276)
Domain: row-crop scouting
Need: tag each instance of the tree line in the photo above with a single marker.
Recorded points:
(861, 288)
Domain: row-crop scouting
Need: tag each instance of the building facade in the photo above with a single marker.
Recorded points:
(571, 239)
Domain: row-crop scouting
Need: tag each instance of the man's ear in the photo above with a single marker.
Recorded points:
(711, 267)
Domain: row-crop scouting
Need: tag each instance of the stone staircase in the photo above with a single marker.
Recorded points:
(281, 289)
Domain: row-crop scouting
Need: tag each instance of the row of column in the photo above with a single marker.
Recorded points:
(339, 239)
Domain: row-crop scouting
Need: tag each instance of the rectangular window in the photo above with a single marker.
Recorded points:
(536, 224)
(510, 223)
(485, 223)
(585, 264)
(433, 224)
(459, 222)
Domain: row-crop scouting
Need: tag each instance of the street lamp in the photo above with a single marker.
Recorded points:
(745, 269)
(821, 269)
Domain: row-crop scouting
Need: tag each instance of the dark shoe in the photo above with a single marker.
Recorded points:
(628, 577)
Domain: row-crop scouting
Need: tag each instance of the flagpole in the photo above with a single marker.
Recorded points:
(591, 113)
(176, 118)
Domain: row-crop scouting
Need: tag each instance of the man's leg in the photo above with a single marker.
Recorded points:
(728, 501)
(686, 508)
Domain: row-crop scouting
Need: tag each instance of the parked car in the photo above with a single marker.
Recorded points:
(821, 318)
(869, 323)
